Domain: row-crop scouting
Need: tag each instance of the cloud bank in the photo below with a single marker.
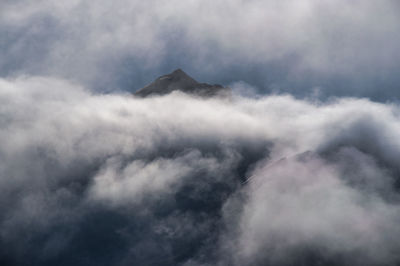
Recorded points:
(298, 167)
(345, 48)
(94, 179)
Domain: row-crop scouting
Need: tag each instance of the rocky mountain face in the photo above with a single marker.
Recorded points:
(178, 80)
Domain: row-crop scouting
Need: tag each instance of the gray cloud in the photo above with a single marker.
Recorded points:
(304, 211)
(94, 179)
(340, 48)
(262, 178)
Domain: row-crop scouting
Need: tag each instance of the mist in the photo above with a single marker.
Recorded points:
(297, 164)
(95, 179)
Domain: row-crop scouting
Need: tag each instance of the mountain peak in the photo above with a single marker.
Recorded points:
(178, 72)
(180, 81)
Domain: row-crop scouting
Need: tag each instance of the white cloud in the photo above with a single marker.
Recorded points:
(99, 42)
(322, 176)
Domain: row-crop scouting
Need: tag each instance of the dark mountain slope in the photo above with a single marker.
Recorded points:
(180, 81)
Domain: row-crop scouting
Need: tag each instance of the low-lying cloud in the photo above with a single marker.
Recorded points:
(94, 179)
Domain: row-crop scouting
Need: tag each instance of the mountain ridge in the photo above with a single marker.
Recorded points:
(178, 80)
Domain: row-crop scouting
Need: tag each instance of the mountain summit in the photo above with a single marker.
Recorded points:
(178, 80)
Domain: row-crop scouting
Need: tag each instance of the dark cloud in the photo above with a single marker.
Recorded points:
(93, 179)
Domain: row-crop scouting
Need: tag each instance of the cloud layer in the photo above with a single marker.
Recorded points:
(340, 48)
(94, 179)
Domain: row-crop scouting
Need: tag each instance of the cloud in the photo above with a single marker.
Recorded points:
(343, 48)
(262, 178)
(95, 179)
(307, 210)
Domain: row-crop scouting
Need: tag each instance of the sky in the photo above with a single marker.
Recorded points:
(346, 48)
(300, 166)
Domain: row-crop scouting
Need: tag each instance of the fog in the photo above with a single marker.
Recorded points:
(298, 166)
(110, 179)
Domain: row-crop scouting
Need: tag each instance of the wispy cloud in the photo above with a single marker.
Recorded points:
(345, 48)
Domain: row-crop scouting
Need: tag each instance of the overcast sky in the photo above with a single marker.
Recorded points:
(330, 47)
(300, 165)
